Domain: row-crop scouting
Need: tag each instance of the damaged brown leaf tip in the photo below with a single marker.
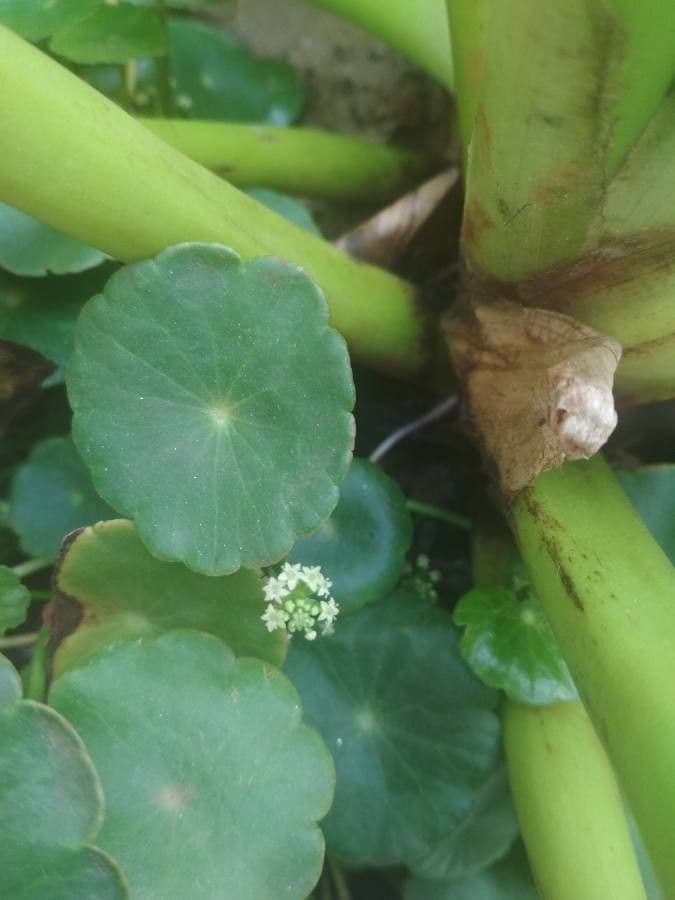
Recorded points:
(538, 386)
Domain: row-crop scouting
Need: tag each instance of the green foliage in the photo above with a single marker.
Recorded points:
(212, 404)
(14, 600)
(112, 34)
(414, 735)
(651, 490)
(29, 247)
(363, 545)
(509, 644)
(51, 806)
(38, 19)
(123, 592)
(289, 207)
(208, 757)
(52, 494)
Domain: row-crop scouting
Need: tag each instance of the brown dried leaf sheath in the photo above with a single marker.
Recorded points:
(538, 387)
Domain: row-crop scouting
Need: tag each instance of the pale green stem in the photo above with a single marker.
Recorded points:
(417, 28)
(609, 593)
(163, 67)
(301, 161)
(569, 805)
(18, 640)
(435, 512)
(73, 159)
(469, 20)
(29, 566)
(34, 675)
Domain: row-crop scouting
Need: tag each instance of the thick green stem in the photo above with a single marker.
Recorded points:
(73, 159)
(417, 29)
(609, 592)
(298, 160)
(569, 805)
(469, 21)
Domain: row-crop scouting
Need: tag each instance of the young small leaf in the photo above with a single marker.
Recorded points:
(413, 733)
(124, 591)
(363, 545)
(212, 404)
(51, 806)
(14, 600)
(52, 494)
(112, 33)
(652, 492)
(29, 247)
(510, 645)
(209, 757)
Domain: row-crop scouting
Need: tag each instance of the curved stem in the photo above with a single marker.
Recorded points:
(18, 640)
(608, 590)
(73, 159)
(22, 570)
(569, 805)
(301, 161)
(436, 412)
(443, 515)
(417, 29)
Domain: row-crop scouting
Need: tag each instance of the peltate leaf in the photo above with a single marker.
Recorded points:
(14, 600)
(363, 545)
(510, 645)
(413, 733)
(29, 247)
(652, 492)
(123, 591)
(212, 404)
(112, 33)
(51, 495)
(208, 758)
(51, 806)
(509, 879)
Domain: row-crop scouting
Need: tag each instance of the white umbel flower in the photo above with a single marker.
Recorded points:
(274, 617)
(298, 599)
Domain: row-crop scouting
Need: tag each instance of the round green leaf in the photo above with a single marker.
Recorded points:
(213, 786)
(651, 489)
(123, 591)
(211, 404)
(112, 33)
(413, 733)
(37, 19)
(363, 545)
(286, 206)
(14, 600)
(51, 495)
(509, 643)
(509, 879)
(484, 835)
(216, 77)
(10, 684)
(51, 807)
(29, 247)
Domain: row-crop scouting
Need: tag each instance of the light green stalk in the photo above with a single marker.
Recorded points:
(297, 160)
(73, 159)
(469, 22)
(609, 592)
(417, 28)
(569, 806)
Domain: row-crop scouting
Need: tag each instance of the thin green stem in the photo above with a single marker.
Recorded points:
(163, 67)
(301, 161)
(417, 29)
(435, 512)
(608, 590)
(342, 891)
(40, 596)
(18, 640)
(34, 675)
(22, 570)
(73, 159)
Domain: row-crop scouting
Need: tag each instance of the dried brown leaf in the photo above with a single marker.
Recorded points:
(538, 386)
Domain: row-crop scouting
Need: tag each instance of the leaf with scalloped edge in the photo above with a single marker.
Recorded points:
(509, 644)
(52, 494)
(30, 247)
(413, 733)
(362, 547)
(51, 806)
(213, 785)
(14, 600)
(212, 403)
(121, 591)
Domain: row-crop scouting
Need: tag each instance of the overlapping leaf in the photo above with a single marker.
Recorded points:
(51, 806)
(363, 545)
(51, 495)
(212, 404)
(14, 600)
(112, 33)
(413, 733)
(124, 591)
(213, 786)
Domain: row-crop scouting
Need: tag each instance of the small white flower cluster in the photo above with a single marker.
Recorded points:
(298, 599)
